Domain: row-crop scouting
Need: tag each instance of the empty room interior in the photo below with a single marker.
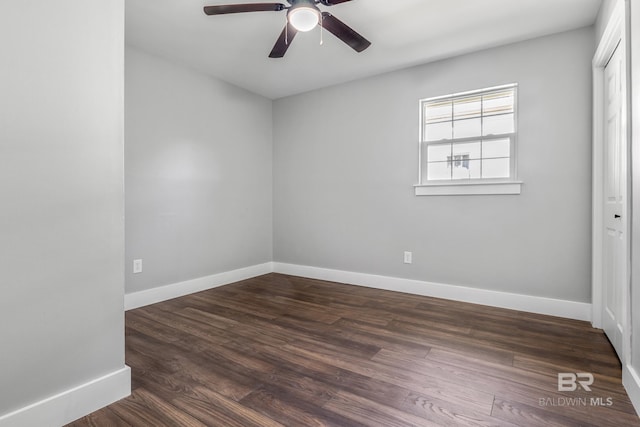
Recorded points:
(320, 213)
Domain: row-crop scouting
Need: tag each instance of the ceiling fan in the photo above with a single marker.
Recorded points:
(302, 15)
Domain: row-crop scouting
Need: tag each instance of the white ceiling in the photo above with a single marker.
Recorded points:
(403, 33)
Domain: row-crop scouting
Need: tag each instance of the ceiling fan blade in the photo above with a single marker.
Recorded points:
(344, 32)
(239, 8)
(283, 42)
(332, 2)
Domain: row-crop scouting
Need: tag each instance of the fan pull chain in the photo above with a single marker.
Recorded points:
(286, 34)
(321, 28)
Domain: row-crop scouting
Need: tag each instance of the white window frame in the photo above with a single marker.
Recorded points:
(468, 186)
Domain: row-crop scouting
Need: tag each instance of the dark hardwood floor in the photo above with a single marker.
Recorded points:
(280, 350)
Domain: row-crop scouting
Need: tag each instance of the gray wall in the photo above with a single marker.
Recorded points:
(198, 174)
(635, 184)
(346, 157)
(61, 170)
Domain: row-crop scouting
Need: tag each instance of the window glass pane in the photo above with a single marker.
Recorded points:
(495, 168)
(496, 125)
(469, 149)
(438, 152)
(438, 131)
(438, 111)
(467, 107)
(453, 132)
(496, 148)
(466, 169)
(438, 171)
(466, 128)
(501, 102)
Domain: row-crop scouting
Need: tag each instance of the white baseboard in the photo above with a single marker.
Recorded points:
(631, 382)
(175, 290)
(532, 304)
(72, 404)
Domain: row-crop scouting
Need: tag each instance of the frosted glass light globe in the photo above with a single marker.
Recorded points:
(304, 18)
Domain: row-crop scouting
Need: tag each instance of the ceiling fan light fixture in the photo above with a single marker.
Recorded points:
(304, 18)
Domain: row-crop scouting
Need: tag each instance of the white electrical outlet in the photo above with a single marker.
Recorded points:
(408, 257)
(137, 266)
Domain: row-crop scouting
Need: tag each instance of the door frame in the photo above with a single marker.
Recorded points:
(615, 35)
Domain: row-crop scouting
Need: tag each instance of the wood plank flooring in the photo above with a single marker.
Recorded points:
(286, 351)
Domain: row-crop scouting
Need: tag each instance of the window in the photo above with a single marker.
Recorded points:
(469, 139)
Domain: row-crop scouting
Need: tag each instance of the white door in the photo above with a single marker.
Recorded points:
(615, 201)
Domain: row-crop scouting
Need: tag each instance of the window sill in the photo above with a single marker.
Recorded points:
(468, 188)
